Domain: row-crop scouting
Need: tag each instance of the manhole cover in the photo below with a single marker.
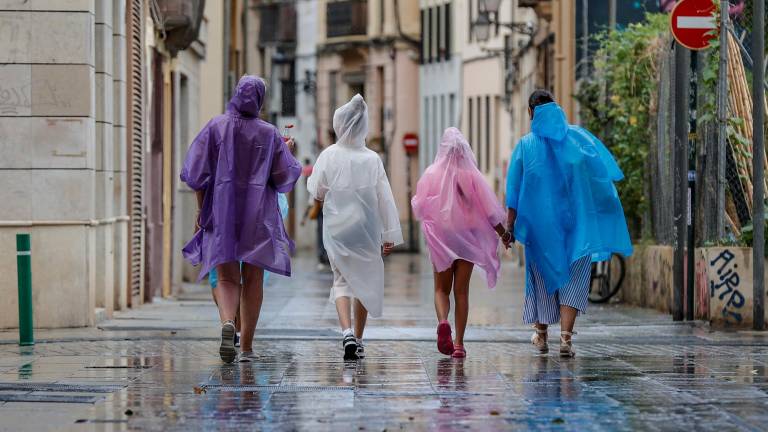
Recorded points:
(274, 388)
(59, 387)
(33, 397)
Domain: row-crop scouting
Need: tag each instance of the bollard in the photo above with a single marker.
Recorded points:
(24, 271)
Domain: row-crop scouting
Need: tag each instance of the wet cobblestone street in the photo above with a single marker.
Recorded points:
(157, 368)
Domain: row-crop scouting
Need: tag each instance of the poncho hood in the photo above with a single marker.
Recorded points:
(350, 122)
(549, 122)
(249, 96)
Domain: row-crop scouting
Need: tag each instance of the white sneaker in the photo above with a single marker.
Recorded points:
(247, 357)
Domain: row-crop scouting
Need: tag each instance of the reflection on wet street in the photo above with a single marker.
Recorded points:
(157, 369)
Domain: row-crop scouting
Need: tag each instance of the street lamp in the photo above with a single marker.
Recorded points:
(482, 26)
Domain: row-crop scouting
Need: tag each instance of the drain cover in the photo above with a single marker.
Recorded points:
(274, 388)
(59, 387)
(36, 397)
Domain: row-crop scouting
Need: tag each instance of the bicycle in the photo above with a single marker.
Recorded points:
(606, 278)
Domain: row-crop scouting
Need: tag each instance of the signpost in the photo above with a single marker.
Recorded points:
(692, 23)
(411, 146)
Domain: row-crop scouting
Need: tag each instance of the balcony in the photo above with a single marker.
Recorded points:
(277, 24)
(346, 18)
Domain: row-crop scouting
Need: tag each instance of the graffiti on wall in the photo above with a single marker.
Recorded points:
(727, 286)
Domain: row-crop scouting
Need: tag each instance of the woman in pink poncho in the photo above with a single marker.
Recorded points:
(461, 220)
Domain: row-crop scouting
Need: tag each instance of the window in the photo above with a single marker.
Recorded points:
(471, 123)
(424, 33)
(439, 33)
(487, 133)
(471, 14)
(479, 138)
(429, 35)
(447, 14)
(451, 109)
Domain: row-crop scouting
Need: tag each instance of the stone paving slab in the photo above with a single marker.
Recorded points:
(156, 368)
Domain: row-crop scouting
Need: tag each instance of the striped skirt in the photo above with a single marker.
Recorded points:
(544, 308)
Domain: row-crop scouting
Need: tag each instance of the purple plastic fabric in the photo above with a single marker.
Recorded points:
(241, 162)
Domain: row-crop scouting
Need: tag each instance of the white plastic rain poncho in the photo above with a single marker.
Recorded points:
(359, 212)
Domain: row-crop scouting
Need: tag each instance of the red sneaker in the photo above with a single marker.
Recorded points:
(444, 338)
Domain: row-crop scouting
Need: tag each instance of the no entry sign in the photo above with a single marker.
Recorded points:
(692, 23)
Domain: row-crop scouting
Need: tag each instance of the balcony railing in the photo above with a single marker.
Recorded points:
(277, 24)
(346, 18)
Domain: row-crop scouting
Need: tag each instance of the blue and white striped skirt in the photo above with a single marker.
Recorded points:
(543, 308)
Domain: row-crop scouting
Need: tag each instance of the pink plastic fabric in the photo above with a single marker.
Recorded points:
(458, 210)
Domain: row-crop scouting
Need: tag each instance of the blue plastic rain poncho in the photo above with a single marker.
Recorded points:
(560, 181)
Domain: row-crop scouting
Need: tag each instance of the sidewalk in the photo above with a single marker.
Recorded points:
(157, 368)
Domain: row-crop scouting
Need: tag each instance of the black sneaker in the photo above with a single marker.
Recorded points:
(360, 350)
(350, 347)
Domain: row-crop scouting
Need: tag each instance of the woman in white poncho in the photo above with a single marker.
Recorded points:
(359, 217)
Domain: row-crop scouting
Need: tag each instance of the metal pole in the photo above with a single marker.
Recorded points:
(681, 175)
(24, 272)
(612, 14)
(722, 118)
(585, 38)
(692, 137)
(758, 152)
(411, 228)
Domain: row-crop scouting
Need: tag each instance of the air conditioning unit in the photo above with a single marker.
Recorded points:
(179, 21)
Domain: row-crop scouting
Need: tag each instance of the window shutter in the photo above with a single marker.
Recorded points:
(135, 121)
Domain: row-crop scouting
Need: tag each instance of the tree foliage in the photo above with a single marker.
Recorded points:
(616, 99)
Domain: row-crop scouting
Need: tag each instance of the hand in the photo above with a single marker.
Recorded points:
(290, 143)
(197, 222)
(388, 248)
(507, 239)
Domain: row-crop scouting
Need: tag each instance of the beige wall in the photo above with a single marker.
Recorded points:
(63, 157)
(211, 70)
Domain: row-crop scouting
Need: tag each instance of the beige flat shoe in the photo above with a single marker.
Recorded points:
(566, 344)
(539, 341)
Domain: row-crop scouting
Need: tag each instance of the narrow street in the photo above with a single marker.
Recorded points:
(157, 368)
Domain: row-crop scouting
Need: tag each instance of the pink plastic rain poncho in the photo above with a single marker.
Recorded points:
(359, 212)
(241, 162)
(458, 210)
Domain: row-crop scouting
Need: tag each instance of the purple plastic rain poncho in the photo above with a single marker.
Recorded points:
(359, 212)
(241, 162)
(458, 210)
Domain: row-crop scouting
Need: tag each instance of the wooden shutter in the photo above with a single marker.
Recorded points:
(135, 48)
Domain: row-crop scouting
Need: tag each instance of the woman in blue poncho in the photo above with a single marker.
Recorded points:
(563, 207)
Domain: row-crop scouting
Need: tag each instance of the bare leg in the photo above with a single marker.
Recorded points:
(361, 316)
(227, 295)
(250, 306)
(343, 305)
(567, 319)
(443, 284)
(461, 297)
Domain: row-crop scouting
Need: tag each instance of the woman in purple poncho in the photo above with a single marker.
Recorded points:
(237, 164)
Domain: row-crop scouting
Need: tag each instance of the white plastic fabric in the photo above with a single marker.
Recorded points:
(359, 212)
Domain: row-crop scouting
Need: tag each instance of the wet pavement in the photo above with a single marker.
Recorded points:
(157, 368)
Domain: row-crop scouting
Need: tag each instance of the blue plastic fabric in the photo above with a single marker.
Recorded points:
(282, 203)
(561, 182)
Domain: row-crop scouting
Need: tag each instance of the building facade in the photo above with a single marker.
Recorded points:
(372, 48)
(439, 75)
(63, 157)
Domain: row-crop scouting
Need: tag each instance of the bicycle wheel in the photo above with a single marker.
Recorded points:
(606, 279)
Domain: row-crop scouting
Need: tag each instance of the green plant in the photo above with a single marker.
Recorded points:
(616, 102)
(748, 233)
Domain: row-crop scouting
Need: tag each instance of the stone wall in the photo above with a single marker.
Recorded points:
(62, 156)
(723, 288)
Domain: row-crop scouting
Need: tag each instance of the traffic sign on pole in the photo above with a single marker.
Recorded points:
(692, 22)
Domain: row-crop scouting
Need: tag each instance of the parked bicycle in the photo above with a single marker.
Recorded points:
(606, 279)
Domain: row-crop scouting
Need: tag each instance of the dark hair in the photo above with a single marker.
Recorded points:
(539, 97)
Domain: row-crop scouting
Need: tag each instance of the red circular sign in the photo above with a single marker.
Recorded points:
(693, 23)
(411, 143)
